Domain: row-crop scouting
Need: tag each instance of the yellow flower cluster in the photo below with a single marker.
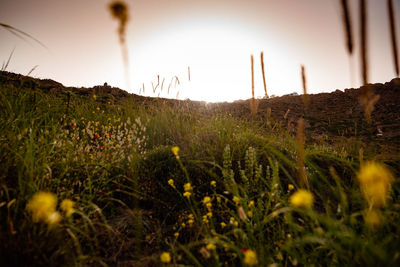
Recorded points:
(190, 220)
(207, 203)
(375, 181)
(302, 198)
(42, 206)
(188, 189)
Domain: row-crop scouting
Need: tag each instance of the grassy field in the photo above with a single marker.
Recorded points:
(91, 180)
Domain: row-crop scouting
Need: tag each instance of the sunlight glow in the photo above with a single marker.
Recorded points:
(218, 53)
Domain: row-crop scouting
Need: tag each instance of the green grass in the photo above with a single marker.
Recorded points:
(114, 160)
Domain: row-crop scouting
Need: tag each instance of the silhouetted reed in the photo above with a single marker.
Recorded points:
(364, 40)
(347, 26)
(393, 37)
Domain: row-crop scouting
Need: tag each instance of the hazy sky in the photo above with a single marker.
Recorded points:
(214, 37)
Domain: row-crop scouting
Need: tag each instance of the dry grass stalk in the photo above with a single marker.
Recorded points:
(361, 155)
(347, 26)
(393, 37)
(189, 73)
(304, 81)
(364, 42)
(263, 74)
(253, 104)
(300, 140)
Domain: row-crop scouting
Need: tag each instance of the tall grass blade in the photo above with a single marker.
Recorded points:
(347, 26)
(364, 40)
(393, 37)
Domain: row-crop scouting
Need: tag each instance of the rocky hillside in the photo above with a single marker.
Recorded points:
(339, 113)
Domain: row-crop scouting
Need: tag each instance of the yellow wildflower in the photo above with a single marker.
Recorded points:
(175, 151)
(302, 198)
(211, 246)
(171, 183)
(250, 214)
(165, 257)
(183, 225)
(250, 258)
(94, 96)
(209, 214)
(176, 235)
(190, 222)
(213, 183)
(187, 194)
(235, 199)
(209, 206)
(42, 205)
(187, 187)
(223, 225)
(251, 203)
(290, 187)
(375, 180)
(206, 200)
(67, 206)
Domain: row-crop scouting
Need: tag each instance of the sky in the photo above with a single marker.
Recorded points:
(215, 38)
